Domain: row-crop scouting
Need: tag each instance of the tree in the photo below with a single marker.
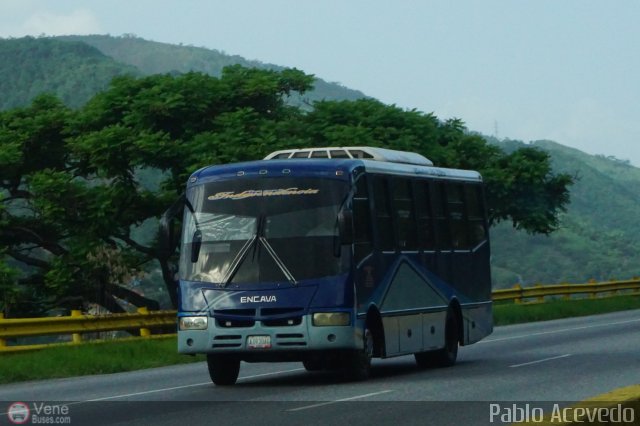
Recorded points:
(54, 221)
(520, 186)
(82, 190)
(175, 125)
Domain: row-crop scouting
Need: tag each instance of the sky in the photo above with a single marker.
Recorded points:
(567, 71)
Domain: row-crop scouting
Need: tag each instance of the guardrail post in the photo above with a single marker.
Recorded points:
(540, 299)
(144, 332)
(567, 295)
(518, 299)
(3, 342)
(594, 293)
(76, 337)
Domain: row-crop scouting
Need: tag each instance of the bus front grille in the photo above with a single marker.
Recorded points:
(290, 339)
(234, 323)
(227, 341)
(282, 322)
(235, 312)
(268, 312)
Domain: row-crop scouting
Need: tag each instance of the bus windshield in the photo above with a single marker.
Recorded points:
(264, 230)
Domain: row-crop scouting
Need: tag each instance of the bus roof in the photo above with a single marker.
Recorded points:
(328, 168)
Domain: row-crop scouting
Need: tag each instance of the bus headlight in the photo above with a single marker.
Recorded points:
(323, 319)
(193, 323)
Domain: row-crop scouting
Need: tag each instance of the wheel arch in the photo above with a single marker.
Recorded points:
(374, 324)
(456, 309)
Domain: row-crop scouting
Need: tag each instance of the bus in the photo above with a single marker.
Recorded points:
(331, 257)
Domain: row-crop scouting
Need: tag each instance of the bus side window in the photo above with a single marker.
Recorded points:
(443, 233)
(457, 219)
(362, 221)
(384, 223)
(475, 213)
(425, 222)
(404, 213)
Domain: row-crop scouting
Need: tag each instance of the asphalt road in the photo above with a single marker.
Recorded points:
(539, 364)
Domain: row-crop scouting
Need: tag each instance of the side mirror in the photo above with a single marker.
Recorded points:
(196, 243)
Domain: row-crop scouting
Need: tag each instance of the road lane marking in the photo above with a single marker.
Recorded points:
(352, 398)
(187, 386)
(106, 398)
(524, 364)
(563, 330)
(146, 392)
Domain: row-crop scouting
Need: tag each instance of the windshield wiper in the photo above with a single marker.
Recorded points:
(279, 262)
(253, 241)
(237, 261)
(259, 233)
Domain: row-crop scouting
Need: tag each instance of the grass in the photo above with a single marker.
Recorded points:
(91, 358)
(118, 356)
(511, 313)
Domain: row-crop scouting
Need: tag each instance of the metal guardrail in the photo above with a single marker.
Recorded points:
(143, 321)
(76, 324)
(520, 294)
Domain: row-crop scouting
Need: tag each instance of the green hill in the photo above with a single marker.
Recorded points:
(76, 67)
(73, 71)
(600, 233)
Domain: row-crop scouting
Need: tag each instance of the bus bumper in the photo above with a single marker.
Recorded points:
(300, 338)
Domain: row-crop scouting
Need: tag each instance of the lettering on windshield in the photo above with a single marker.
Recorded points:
(261, 193)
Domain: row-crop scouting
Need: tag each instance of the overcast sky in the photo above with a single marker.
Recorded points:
(566, 70)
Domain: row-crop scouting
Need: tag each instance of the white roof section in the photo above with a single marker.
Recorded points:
(427, 171)
(357, 152)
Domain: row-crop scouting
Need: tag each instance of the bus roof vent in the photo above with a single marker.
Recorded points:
(358, 152)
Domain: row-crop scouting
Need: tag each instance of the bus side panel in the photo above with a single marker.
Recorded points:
(391, 336)
(410, 333)
(433, 330)
(478, 322)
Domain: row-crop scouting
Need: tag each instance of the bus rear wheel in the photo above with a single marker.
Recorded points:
(223, 370)
(448, 355)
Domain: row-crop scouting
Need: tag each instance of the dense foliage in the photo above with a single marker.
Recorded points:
(596, 239)
(75, 196)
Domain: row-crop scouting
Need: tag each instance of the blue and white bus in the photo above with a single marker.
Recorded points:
(332, 256)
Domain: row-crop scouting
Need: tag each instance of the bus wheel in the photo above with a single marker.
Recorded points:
(448, 355)
(313, 364)
(424, 359)
(360, 365)
(223, 370)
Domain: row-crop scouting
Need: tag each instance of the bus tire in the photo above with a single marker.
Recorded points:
(313, 364)
(447, 356)
(360, 360)
(223, 370)
(424, 359)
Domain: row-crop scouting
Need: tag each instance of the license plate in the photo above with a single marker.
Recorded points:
(259, 342)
